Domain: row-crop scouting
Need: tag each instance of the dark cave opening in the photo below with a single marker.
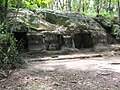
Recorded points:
(22, 40)
(83, 40)
(54, 41)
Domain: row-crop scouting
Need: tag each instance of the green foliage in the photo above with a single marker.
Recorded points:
(9, 56)
(107, 8)
(31, 4)
(75, 4)
(1, 2)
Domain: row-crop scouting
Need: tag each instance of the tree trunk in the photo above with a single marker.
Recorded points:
(69, 5)
(79, 6)
(63, 4)
(109, 4)
(57, 4)
(109, 8)
(83, 7)
(119, 10)
(6, 8)
(98, 6)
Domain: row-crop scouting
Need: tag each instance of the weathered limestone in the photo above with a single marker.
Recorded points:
(51, 30)
(35, 41)
(31, 20)
(104, 22)
(116, 32)
(53, 40)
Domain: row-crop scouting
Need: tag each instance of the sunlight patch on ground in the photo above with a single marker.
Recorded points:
(80, 64)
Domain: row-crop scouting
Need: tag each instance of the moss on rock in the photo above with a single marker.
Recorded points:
(32, 20)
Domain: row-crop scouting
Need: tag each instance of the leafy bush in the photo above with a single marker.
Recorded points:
(9, 56)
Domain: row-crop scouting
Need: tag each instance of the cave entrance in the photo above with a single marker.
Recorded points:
(53, 41)
(83, 40)
(22, 40)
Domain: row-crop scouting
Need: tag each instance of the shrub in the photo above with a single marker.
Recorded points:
(9, 56)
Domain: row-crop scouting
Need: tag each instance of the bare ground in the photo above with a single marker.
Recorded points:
(76, 71)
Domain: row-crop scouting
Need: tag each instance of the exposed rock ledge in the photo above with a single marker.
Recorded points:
(52, 30)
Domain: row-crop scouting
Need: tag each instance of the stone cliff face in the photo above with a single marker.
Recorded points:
(53, 29)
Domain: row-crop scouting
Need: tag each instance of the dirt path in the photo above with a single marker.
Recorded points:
(100, 73)
(88, 64)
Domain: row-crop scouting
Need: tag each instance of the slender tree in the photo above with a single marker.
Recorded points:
(79, 6)
(98, 6)
(69, 5)
(118, 10)
(6, 7)
(83, 6)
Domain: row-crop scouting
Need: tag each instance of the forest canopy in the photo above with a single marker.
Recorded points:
(90, 7)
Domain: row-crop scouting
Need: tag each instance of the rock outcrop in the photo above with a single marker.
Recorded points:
(52, 30)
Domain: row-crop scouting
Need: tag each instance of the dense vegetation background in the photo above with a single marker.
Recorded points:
(89, 7)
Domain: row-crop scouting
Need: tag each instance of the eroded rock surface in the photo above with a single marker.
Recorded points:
(54, 28)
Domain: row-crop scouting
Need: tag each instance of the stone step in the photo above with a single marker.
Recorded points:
(63, 57)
